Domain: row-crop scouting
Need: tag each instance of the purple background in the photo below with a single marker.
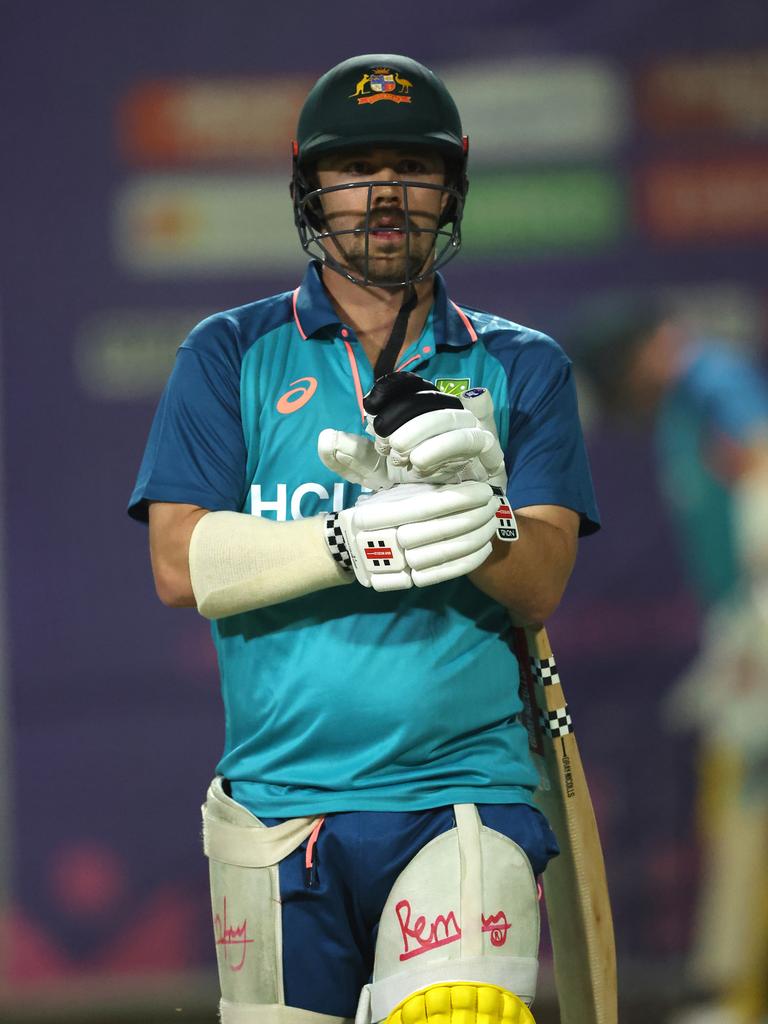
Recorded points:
(113, 702)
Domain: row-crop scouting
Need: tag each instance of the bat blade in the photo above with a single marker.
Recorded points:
(575, 885)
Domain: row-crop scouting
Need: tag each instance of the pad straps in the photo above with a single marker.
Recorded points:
(468, 825)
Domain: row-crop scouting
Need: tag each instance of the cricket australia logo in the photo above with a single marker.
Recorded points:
(382, 84)
(453, 385)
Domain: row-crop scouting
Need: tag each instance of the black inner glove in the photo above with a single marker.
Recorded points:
(397, 398)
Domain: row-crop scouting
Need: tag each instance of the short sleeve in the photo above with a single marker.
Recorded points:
(545, 454)
(733, 391)
(196, 450)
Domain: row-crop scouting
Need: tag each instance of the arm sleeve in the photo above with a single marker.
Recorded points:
(196, 451)
(545, 453)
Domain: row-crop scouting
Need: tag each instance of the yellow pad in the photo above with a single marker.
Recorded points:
(461, 1002)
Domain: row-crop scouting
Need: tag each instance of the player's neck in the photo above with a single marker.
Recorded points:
(371, 312)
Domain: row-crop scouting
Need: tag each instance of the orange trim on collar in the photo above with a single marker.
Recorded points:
(296, 315)
(465, 321)
(355, 378)
(413, 359)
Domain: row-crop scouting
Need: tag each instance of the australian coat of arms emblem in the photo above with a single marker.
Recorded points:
(382, 84)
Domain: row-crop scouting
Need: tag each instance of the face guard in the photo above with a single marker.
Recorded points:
(390, 101)
(339, 250)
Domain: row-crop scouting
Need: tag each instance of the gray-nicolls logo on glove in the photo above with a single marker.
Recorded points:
(415, 535)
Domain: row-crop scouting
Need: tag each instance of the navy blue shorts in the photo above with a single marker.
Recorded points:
(331, 913)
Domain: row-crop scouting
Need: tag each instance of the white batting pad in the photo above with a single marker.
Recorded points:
(245, 894)
(465, 909)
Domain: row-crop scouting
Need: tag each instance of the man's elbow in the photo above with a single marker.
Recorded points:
(546, 599)
(173, 588)
(539, 608)
(544, 611)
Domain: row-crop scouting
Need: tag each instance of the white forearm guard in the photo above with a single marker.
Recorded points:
(239, 562)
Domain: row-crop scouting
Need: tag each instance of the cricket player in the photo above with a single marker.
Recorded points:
(707, 406)
(330, 478)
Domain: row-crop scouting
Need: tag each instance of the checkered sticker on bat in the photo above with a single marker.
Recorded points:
(545, 671)
(557, 721)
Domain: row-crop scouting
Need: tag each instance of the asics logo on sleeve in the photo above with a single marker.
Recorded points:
(297, 397)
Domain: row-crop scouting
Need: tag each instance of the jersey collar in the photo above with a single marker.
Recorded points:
(313, 311)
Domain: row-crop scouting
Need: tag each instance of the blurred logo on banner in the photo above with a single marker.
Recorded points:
(210, 121)
(182, 225)
(706, 94)
(710, 200)
(552, 108)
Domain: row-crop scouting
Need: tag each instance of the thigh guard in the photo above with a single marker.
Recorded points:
(459, 935)
(245, 891)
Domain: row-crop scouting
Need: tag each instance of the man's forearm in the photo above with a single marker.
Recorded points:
(225, 563)
(529, 575)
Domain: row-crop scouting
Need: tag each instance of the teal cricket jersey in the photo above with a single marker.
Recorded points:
(347, 699)
(717, 405)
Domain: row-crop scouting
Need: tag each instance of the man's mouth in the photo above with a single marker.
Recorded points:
(388, 227)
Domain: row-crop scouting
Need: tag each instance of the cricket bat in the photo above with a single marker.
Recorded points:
(575, 887)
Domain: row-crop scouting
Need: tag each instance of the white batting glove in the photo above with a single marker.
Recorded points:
(417, 534)
(354, 458)
(490, 460)
(428, 435)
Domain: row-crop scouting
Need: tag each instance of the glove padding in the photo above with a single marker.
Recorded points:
(419, 534)
(420, 434)
(354, 458)
(432, 435)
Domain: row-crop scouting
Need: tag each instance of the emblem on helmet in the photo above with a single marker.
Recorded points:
(382, 84)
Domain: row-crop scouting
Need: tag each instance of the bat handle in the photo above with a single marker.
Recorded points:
(538, 642)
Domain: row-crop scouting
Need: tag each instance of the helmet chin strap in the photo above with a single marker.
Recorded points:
(388, 355)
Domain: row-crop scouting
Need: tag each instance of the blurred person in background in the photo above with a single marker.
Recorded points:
(707, 407)
(364, 722)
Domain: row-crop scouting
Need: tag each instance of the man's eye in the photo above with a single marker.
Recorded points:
(411, 167)
(358, 167)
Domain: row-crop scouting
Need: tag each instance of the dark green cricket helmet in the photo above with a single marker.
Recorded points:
(378, 100)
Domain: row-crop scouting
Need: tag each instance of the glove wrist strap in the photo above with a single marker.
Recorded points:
(336, 544)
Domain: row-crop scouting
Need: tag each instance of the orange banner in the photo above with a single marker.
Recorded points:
(178, 122)
(725, 93)
(713, 200)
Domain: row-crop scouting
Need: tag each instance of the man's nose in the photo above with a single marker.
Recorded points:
(386, 193)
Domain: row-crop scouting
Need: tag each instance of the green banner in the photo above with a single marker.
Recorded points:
(538, 212)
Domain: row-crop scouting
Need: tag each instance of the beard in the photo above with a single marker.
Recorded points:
(388, 268)
(389, 261)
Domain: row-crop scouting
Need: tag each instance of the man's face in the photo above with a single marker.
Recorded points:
(399, 246)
